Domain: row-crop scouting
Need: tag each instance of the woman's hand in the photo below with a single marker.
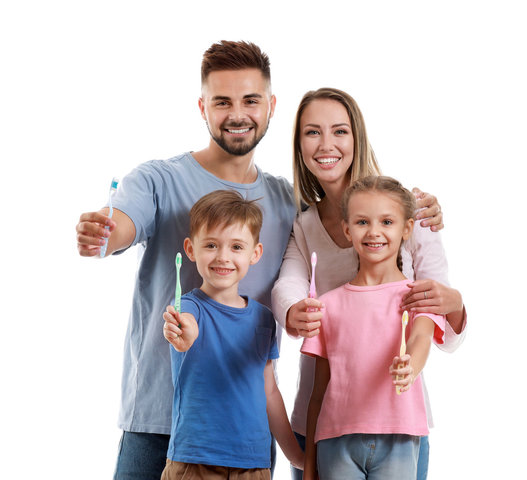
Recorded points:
(303, 318)
(432, 297)
(429, 210)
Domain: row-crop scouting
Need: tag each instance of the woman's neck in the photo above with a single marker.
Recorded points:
(329, 213)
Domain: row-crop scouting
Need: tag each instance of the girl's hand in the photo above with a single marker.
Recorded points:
(431, 297)
(180, 329)
(429, 210)
(304, 323)
(402, 372)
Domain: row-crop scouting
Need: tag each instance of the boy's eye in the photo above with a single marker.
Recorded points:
(237, 247)
(210, 245)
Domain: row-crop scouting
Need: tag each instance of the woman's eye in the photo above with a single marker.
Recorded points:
(341, 132)
(312, 132)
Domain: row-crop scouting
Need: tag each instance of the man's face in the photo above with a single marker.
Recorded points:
(237, 105)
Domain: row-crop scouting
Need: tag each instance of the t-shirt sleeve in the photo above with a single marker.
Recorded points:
(190, 305)
(440, 326)
(315, 346)
(273, 346)
(138, 197)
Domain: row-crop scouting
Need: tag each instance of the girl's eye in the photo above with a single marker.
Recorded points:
(387, 222)
(362, 222)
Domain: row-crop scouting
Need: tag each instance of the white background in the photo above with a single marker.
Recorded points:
(91, 89)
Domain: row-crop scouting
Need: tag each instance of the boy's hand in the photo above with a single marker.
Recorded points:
(180, 329)
(91, 233)
(402, 372)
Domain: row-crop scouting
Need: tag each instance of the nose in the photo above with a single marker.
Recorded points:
(222, 255)
(325, 143)
(236, 113)
(373, 229)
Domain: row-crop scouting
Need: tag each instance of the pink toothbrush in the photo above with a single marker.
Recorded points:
(312, 287)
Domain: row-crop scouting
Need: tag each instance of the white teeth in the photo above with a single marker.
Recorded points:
(374, 245)
(243, 130)
(327, 161)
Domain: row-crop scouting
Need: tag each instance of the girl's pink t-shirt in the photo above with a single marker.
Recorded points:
(360, 336)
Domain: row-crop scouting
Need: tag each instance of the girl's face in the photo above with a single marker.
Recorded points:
(326, 141)
(376, 226)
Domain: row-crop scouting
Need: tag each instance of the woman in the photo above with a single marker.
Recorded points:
(331, 150)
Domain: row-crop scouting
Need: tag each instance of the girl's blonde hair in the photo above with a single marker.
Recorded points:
(306, 186)
(388, 186)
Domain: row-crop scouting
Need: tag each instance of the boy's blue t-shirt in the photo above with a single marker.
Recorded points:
(219, 414)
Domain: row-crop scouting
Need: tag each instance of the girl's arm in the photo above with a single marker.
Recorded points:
(278, 421)
(417, 350)
(290, 291)
(322, 376)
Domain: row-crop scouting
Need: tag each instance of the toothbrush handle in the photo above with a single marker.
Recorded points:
(402, 351)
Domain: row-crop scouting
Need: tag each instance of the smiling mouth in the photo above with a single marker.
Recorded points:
(222, 271)
(327, 161)
(374, 245)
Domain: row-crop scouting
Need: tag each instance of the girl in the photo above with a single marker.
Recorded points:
(331, 149)
(362, 429)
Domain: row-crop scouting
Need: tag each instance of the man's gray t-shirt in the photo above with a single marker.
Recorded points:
(158, 196)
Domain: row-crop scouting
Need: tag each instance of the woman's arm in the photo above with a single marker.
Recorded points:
(289, 295)
(322, 376)
(431, 273)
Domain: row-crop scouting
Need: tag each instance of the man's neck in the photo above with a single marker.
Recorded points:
(232, 168)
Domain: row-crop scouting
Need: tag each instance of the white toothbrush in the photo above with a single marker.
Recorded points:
(113, 189)
(402, 350)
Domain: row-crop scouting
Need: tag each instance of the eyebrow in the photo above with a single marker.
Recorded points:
(224, 97)
(332, 126)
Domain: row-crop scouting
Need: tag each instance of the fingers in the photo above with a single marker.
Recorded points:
(429, 210)
(305, 316)
(91, 234)
(424, 296)
(171, 329)
(402, 372)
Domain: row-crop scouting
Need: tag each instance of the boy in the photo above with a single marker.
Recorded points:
(223, 349)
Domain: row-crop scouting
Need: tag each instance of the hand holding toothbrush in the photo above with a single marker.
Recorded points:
(180, 329)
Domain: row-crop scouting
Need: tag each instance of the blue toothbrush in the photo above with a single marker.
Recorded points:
(113, 189)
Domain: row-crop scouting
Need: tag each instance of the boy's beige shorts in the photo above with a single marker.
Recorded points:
(192, 471)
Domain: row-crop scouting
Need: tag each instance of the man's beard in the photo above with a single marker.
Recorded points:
(237, 147)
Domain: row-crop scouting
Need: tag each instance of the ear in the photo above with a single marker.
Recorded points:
(408, 229)
(257, 254)
(346, 230)
(189, 249)
(273, 105)
(202, 108)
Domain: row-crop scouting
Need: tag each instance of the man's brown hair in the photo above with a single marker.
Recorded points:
(229, 55)
(225, 208)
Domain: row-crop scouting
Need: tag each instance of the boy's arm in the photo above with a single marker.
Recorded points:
(322, 375)
(91, 233)
(278, 421)
(180, 329)
(418, 348)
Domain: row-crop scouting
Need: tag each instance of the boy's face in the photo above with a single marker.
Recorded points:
(223, 255)
(237, 105)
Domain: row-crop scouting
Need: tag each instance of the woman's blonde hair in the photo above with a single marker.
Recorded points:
(307, 188)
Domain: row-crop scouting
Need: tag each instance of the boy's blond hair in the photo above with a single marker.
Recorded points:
(224, 208)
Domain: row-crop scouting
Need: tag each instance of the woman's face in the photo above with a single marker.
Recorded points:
(326, 141)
